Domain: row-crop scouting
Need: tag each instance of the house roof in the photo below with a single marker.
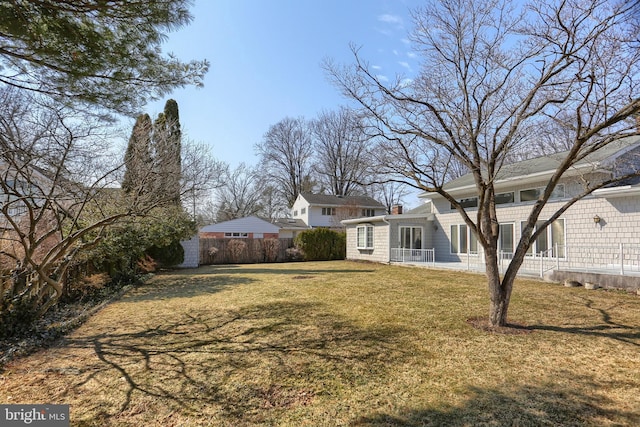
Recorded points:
(424, 208)
(290, 224)
(328, 200)
(250, 224)
(540, 167)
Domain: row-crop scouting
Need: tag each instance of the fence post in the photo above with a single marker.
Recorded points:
(541, 267)
(622, 259)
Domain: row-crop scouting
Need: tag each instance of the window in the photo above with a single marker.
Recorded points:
(295, 213)
(471, 202)
(555, 234)
(328, 211)
(535, 193)
(505, 239)
(503, 198)
(364, 237)
(463, 240)
(411, 237)
(228, 235)
(368, 212)
(303, 211)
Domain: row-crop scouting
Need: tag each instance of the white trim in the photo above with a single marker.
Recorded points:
(367, 244)
(620, 191)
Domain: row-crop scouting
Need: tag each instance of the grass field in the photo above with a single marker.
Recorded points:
(341, 344)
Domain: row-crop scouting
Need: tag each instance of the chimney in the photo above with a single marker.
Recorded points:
(396, 210)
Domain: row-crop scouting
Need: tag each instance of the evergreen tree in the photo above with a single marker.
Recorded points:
(167, 144)
(138, 158)
(96, 52)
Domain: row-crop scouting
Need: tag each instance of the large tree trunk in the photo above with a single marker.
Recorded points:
(499, 290)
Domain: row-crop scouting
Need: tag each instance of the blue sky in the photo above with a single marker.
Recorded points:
(265, 60)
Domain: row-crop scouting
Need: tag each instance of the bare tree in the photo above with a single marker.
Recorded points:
(202, 174)
(286, 152)
(341, 156)
(494, 73)
(241, 194)
(389, 193)
(56, 167)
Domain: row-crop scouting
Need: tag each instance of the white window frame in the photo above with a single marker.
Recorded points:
(235, 235)
(328, 211)
(513, 237)
(533, 249)
(468, 240)
(368, 212)
(412, 238)
(364, 236)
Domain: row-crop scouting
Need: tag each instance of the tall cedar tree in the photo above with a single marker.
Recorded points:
(138, 158)
(167, 141)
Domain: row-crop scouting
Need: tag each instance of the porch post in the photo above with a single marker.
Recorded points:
(541, 267)
(622, 259)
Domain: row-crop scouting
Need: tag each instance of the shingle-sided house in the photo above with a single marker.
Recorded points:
(321, 210)
(599, 232)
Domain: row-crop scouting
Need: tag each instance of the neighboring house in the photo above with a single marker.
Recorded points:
(290, 227)
(599, 232)
(250, 227)
(321, 210)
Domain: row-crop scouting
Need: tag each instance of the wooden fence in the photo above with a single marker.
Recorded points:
(243, 251)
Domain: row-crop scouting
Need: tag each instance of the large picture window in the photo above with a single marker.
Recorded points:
(554, 234)
(463, 240)
(410, 237)
(364, 237)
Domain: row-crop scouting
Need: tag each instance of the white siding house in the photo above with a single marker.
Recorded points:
(599, 233)
(320, 210)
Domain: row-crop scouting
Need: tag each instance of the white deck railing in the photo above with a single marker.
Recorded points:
(612, 259)
(427, 256)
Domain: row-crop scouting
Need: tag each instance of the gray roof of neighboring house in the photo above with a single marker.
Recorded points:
(291, 223)
(250, 224)
(424, 208)
(540, 165)
(328, 200)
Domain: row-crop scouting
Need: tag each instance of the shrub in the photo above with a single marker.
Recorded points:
(271, 248)
(167, 256)
(294, 254)
(322, 244)
(236, 249)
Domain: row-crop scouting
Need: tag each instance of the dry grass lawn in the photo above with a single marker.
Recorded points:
(340, 344)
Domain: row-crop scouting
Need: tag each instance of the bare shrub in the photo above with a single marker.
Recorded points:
(236, 249)
(271, 248)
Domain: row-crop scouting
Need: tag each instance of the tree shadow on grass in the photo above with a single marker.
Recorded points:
(239, 364)
(303, 269)
(176, 286)
(528, 405)
(606, 328)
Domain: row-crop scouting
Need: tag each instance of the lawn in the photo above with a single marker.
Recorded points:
(337, 344)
